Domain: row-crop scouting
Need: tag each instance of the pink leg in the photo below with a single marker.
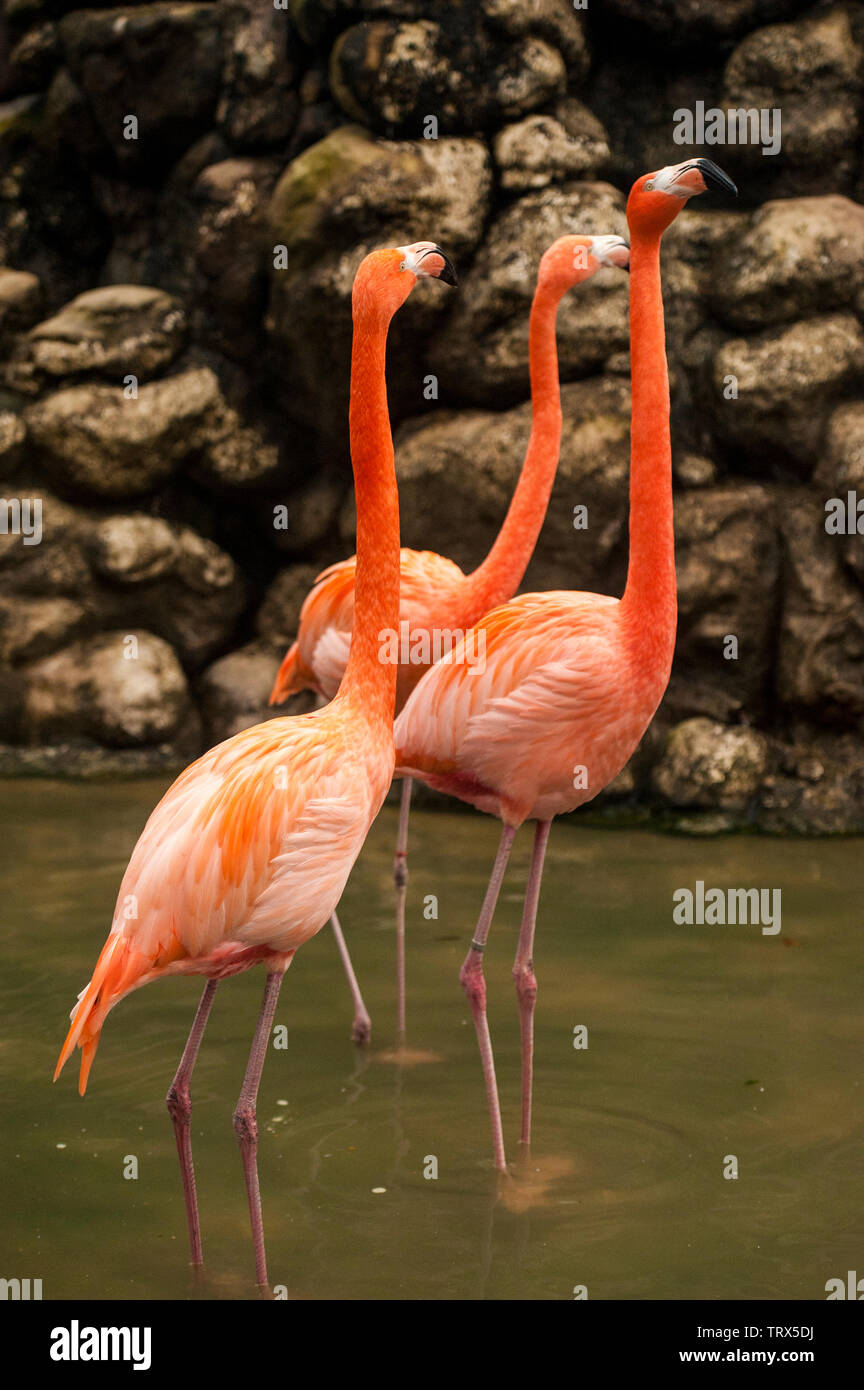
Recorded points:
(474, 984)
(179, 1102)
(400, 878)
(523, 973)
(245, 1120)
(361, 1032)
(362, 1029)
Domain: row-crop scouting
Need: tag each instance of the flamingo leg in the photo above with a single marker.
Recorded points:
(473, 982)
(523, 974)
(245, 1117)
(361, 1031)
(179, 1103)
(400, 879)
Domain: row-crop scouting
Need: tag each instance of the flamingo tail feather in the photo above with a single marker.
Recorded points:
(116, 971)
(292, 677)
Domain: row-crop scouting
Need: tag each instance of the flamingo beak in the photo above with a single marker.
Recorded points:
(714, 176)
(447, 273)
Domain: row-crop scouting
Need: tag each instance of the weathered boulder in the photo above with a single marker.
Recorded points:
(351, 189)
(540, 150)
(392, 74)
(690, 250)
(225, 236)
(236, 457)
(122, 689)
(711, 765)
(133, 549)
(101, 443)
(114, 331)
(481, 355)
(810, 71)
(105, 445)
(338, 200)
(561, 25)
(13, 434)
(820, 656)
(279, 615)
(801, 256)
(694, 470)
(687, 21)
(50, 224)
(319, 20)
(305, 515)
(816, 788)
(161, 63)
(841, 471)
(33, 59)
(698, 239)
(842, 464)
(33, 627)
(128, 571)
(728, 566)
(786, 382)
(234, 691)
(259, 102)
(44, 556)
(20, 300)
(170, 580)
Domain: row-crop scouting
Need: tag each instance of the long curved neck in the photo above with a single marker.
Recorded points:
(649, 601)
(370, 684)
(499, 576)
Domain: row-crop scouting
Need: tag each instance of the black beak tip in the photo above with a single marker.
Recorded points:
(715, 177)
(448, 274)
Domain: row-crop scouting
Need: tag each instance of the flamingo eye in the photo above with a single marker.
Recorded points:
(403, 266)
(649, 186)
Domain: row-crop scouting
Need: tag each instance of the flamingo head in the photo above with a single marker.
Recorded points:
(656, 199)
(572, 259)
(385, 279)
(426, 258)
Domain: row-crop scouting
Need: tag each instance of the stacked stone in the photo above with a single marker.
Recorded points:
(187, 191)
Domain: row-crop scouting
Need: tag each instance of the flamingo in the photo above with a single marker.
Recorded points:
(436, 596)
(571, 680)
(247, 854)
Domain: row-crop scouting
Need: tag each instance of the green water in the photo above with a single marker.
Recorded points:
(703, 1042)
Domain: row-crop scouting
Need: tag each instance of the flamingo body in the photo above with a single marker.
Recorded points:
(564, 690)
(246, 855)
(571, 680)
(432, 596)
(243, 859)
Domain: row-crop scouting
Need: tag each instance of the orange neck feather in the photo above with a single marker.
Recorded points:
(369, 683)
(649, 601)
(499, 576)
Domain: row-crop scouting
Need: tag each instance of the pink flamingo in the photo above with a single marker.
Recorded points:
(247, 854)
(436, 596)
(571, 680)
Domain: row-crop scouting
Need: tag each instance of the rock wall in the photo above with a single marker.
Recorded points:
(187, 190)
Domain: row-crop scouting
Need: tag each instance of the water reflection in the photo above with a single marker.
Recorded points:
(702, 1042)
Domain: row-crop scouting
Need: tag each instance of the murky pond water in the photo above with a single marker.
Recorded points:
(704, 1042)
